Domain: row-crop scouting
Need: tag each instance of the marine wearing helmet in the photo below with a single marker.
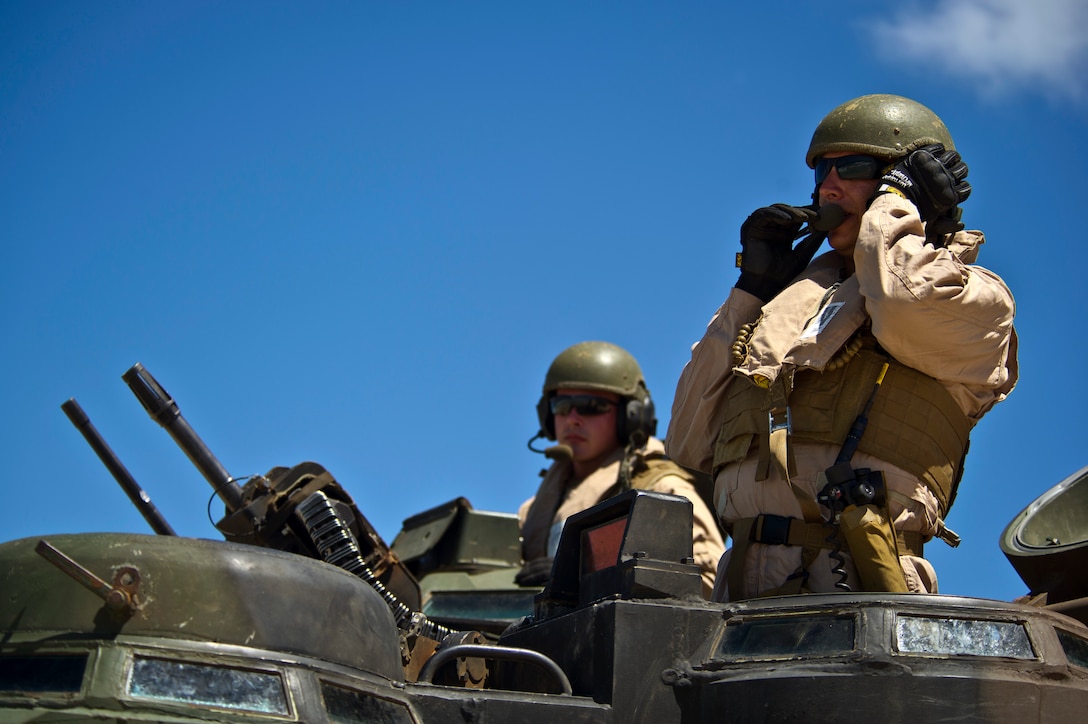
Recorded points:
(832, 398)
(601, 367)
(892, 138)
(596, 406)
(886, 126)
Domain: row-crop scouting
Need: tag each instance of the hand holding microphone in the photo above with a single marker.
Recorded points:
(768, 260)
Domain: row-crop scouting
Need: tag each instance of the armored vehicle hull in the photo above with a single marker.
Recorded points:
(228, 632)
(305, 615)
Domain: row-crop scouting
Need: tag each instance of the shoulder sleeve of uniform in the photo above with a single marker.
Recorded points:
(523, 511)
(697, 402)
(662, 475)
(654, 466)
(929, 309)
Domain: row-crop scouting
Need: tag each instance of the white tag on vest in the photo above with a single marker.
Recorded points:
(820, 322)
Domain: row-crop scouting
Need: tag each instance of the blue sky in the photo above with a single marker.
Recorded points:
(357, 232)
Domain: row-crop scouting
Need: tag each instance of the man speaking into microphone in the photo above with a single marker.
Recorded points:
(831, 399)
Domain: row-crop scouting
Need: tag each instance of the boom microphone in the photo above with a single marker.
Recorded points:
(823, 220)
(828, 217)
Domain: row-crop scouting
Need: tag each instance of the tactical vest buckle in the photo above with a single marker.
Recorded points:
(771, 529)
(779, 418)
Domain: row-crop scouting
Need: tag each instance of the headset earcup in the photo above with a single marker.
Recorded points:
(638, 420)
(544, 416)
(649, 419)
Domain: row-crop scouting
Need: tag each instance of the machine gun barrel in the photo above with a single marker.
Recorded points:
(164, 411)
(120, 473)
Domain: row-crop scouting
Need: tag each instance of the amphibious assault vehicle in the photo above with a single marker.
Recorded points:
(304, 614)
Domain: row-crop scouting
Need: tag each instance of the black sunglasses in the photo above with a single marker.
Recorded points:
(584, 405)
(850, 168)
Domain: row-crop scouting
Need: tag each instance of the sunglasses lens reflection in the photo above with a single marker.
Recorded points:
(849, 168)
(584, 405)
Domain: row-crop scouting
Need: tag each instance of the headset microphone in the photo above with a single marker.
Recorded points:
(828, 217)
(823, 220)
(559, 452)
(539, 436)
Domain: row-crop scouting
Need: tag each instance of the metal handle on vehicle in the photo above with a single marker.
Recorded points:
(505, 653)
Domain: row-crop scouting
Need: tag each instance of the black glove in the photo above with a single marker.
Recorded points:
(933, 179)
(769, 260)
(534, 573)
(943, 225)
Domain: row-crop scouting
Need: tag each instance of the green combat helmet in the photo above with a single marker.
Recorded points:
(885, 126)
(604, 367)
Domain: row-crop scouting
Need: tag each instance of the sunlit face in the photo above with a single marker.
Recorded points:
(591, 438)
(853, 196)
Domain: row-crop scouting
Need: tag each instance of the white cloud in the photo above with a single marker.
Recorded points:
(1003, 45)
